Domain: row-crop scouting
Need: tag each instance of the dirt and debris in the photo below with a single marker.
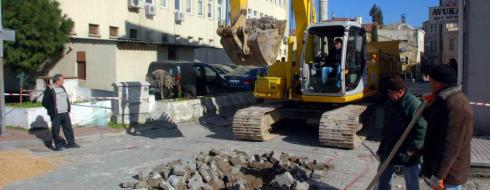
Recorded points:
(19, 165)
(265, 23)
(237, 170)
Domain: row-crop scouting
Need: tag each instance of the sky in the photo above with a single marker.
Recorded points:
(417, 11)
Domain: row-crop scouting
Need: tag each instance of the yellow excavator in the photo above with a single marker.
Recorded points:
(319, 82)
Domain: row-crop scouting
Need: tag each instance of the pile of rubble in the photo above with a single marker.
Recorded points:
(236, 171)
(265, 23)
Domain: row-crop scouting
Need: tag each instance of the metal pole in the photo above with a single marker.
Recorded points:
(460, 40)
(3, 118)
(3, 121)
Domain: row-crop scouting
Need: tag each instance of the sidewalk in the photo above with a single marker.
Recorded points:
(43, 135)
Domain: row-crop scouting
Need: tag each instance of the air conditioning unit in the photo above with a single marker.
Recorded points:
(135, 3)
(179, 16)
(150, 9)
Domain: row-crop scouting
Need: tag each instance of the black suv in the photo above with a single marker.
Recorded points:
(196, 78)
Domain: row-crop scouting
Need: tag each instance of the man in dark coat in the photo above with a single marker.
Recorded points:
(446, 159)
(399, 111)
(56, 102)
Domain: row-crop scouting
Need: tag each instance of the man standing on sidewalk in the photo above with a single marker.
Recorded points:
(56, 101)
(399, 111)
(449, 131)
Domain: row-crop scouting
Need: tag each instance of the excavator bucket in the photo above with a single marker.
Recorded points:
(253, 42)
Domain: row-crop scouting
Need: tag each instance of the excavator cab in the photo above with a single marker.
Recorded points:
(334, 59)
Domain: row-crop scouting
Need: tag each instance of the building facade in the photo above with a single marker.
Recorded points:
(441, 40)
(115, 40)
(411, 45)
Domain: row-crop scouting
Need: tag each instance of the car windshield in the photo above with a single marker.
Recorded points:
(243, 71)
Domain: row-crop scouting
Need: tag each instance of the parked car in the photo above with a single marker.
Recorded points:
(243, 78)
(196, 79)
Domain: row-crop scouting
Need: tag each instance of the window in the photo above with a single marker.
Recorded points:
(93, 30)
(149, 2)
(210, 8)
(133, 33)
(172, 53)
(177, 5)
(81, 65)
(249, 13)
(255, 14)
(354, 63)
(451, 44)
(200, 7)
(210, 73)
(164, 37)
(163, 3)
(148, 35)
(188, 5)
(211, 42)
(113, 32)
(219, 13)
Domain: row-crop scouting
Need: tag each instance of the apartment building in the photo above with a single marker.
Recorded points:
(114, 40)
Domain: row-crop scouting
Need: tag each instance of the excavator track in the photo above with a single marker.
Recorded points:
(338, 127)
(254, 123)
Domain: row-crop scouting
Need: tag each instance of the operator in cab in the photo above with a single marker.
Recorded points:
(331, 63)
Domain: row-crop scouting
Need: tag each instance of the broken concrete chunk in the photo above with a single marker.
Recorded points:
(154, 180)
(214, 152)
(317, 174)
(166, 186)
(285, 179)
(301, 185)
(126, 185)
(179, 170)
(176, 181)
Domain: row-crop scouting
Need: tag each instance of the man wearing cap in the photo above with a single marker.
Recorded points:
(399, 111)
(446, 158)
(56, 102)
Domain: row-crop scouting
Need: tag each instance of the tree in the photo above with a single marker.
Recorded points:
(41, 32)
(376, 14)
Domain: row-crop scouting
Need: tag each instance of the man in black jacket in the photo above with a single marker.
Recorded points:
(56, 102)
(399, 111)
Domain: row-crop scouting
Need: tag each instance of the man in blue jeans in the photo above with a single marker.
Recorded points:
(332, 62)
(399, 111)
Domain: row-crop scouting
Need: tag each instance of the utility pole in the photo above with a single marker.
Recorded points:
(7, 35)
